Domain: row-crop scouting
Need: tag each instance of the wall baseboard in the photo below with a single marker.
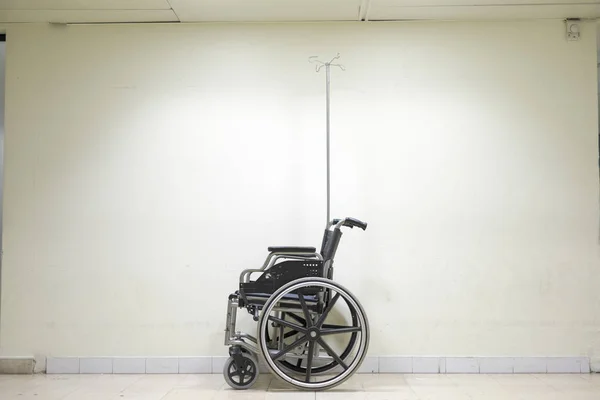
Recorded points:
(17, 365)
(371, 365)
(595, 364)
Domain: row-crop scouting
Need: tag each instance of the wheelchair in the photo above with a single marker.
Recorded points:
(312, 332)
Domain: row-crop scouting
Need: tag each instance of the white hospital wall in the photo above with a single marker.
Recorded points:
(146, 166)
(2, 84)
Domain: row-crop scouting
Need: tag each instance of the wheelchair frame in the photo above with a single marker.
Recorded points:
(246, 341)
(317, 276)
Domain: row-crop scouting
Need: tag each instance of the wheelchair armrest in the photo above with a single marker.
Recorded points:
(245, 275)
(291, 249)
(272, 257)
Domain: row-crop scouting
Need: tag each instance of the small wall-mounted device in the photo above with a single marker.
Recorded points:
(572, 25)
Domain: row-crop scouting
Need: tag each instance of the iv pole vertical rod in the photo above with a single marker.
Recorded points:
(327, 69)
(327, 66)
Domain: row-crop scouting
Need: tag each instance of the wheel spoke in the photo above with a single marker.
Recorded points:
(333, 326)
(332, 353)
(298, 342)
(300, 359)
(328, 309)
(289, 334)
(341, 329)
(288, 324)
(297, 318)
(304, 307)
(309, 360)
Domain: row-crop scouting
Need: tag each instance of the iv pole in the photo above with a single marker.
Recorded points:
(327, 66)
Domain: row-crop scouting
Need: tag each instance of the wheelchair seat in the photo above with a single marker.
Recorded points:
(291, 296)
(290, 300)
(291, 249)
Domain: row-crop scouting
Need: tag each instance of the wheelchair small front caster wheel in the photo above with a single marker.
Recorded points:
(241, 377)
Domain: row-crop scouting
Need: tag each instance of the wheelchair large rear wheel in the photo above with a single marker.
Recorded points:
(298, 365)
(316, 342)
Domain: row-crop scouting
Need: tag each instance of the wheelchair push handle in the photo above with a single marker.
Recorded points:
(350, 223)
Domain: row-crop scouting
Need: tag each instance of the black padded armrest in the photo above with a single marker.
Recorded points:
(291, 249)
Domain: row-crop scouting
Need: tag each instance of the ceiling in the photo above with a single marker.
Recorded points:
(106, 11)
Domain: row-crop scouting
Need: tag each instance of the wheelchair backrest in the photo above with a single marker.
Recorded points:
(331, 239)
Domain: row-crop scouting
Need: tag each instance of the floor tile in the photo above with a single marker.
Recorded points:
(397, 395)
(386, 383)
(340, 395)
(359, 387)
(190, 394)
(290, 395)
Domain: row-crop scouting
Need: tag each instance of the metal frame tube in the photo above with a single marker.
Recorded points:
(327, 97)
(273, 257)
(233, 338)
(327, 66)
(232, 307)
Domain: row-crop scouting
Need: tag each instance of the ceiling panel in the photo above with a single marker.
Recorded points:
(377, 12)
(84, 5)
(261, 3)
(287, 10)
(266, 10)
(87, 16)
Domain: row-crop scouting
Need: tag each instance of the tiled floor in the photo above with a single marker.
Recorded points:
(363, 387)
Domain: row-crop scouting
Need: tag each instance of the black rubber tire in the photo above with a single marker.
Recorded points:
(251, 367)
